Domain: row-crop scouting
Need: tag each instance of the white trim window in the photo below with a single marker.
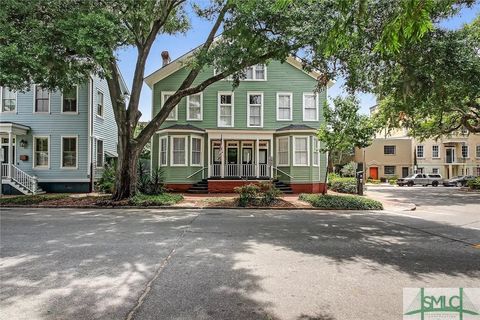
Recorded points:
(316, 152)
(196, 144)
(301, 148)
(195, 107)
(69, 152)
(100, 154)
(42, 100)
(41, 151)
(284, 106)
(70, 100)
(435, 151)
(255, 109)
(163, 151)
(100, 103)
(8, 100)
(465, 151)
(225, 109)
(477, 151)
(256, 72)
(420, 151)
(310, 107)
(173, 116)
(178, 155)
(283, 151)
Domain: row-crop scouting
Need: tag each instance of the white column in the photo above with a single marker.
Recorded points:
(209, 155)
(222, 165)
(10, 154)
(257, 158)
(271, 157)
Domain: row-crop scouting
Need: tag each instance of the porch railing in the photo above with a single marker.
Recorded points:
(20, 177)
(240, 170)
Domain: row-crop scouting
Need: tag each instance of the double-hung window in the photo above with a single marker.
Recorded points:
(255, 109)
(69, 152)
(389, 150)
(283, 147)
(8, 100)
(100, 154)
(310, 107)
(477, 151)
(173, 115)
(465, 151)
(256, 72)
(196, 158)
(301, 149)
(41, 155)
(42, 100)
(284, 106)
(389, 170)
(100, 103)
(179, 151)
(195, 107)
(420, 151)
(69, 100)
(316, 152)
(435, 151)
(163, 151)
(225, 109)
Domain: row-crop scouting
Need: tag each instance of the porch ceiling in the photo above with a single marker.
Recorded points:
(15, 128)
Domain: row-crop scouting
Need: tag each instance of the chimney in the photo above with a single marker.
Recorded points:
(165, 58)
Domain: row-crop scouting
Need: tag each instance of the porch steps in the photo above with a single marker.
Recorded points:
(199, 187)
(24, 190)
(285, 188)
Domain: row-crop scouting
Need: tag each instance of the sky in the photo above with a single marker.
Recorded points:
(179, 44)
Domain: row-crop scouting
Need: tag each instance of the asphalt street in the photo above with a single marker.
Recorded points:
(224, 264)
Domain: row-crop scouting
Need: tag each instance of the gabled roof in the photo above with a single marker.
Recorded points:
(296, 127)
(183, 127)
(177, 64)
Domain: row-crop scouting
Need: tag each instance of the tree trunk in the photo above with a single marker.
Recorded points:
(126, 179)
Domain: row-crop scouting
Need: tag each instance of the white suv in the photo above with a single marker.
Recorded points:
(423, 179)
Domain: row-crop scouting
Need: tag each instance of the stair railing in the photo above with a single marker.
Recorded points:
(24, 179)
(199, 170)
(283, 172)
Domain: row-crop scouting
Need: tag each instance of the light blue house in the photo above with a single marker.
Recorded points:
(56, 141)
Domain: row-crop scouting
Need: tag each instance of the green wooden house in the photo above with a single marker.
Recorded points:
(222, 137)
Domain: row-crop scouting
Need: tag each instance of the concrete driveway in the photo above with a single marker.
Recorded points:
(223, 264)
(449, 205)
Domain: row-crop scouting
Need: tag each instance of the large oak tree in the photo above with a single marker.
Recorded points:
(57, 43)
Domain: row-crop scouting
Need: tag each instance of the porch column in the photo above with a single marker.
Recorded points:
(222, 166)
(10, 154)
(209, 158)
(271, 157)
(257, 158)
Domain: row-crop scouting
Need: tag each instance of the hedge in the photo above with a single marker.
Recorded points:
(343, 185)
(474, 184)
(337, 202)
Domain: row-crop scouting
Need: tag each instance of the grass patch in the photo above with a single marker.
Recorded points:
(31, 200)
(163, 199)
(341, 202)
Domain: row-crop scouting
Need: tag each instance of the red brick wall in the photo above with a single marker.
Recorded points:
(178, 187)
(225, 186)
(307, 187)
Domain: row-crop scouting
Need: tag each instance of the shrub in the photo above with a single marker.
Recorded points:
(393, 180)
(349, 170)
(343, 185)
(247, 194)
(474, 184)
(373, 181)
(150, 184)
(268, 192)
(106, 183)
(163, 199)
(341, 202)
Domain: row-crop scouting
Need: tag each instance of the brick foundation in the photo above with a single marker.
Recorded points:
(307, 187)
(178, 187)
(226, 186)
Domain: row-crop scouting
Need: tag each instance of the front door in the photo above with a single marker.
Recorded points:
(247, 162)
(374, 173)
(450, 155)
(262, 155)
(404, 172)
(232, 162)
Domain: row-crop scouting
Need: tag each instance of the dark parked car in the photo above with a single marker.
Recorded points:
(458, 181)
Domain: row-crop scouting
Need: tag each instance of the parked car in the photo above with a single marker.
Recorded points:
(421, 179)
(458, 181)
